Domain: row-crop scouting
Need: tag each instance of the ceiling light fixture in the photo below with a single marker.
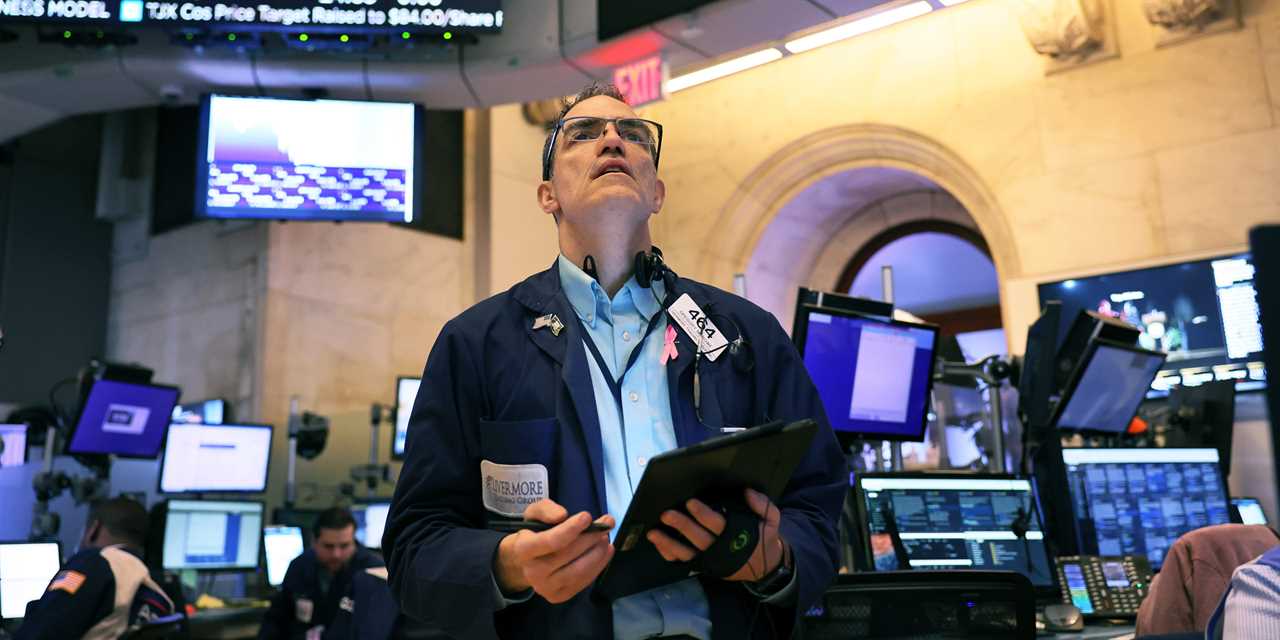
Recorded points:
(859, 26)
(949, 3)
(723, 69)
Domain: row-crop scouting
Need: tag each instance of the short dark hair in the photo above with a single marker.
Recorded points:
(333, 518)
(124, 518)
(590, 91)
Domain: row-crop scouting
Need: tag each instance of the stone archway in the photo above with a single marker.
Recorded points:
(745, 220)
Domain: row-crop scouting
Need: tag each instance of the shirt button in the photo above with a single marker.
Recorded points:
(635, 397)
(642, 461)
(590, 317)
(626, 336)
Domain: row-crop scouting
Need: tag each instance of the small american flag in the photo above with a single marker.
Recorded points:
(69, 581)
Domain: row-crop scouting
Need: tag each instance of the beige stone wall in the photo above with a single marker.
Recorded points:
(1156, 155)
(187, 305)
(348, 308)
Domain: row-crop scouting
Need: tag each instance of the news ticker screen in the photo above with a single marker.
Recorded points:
(290, 15)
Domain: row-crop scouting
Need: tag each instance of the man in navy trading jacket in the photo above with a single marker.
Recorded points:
(105, 588)
(328, 591)
(546, 402)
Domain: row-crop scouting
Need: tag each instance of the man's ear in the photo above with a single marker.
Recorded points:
(547, 200)
(659, 195)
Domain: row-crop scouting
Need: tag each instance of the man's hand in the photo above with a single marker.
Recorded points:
(556, 563)
(701, 530)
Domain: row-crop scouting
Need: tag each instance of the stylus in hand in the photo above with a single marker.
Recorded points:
(512, 526)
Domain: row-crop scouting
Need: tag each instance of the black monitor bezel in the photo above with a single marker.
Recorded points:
(846, 438)
(400, 455)
(165, 535)
(266, 473)
(1092, 548)
(56, 543)
(864, 554)
(1078, 374)
(75, 427)
(262, 546)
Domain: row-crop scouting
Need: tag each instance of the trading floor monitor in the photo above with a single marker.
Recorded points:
(1109, 383)
(25, 571)
(205, 412)
(212, 534)
(1248, 510)
(216, 458)
(954, 521)
(281, 544)
(14, 439)
(1139, 501)
(124, 419)
(406, 393)
(371, 519)
(873, 374)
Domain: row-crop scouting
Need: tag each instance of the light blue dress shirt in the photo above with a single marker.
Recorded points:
(630, 437)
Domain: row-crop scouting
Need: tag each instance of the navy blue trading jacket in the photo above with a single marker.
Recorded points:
(496, 389)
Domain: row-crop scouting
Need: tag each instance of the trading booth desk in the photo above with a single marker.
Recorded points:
(229, 623)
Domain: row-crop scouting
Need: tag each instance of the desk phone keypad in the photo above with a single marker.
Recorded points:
(1104, 586)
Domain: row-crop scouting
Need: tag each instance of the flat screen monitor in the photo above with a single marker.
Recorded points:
(212, 534)
(308, 159)
(873, 374)
(1203, 313)
(216, 458)
(207, 412)
(371, 519)
(1248, 510)
(281, 544)
(954, 521)
(1139, 501)
(125, 419)
(406, 393)
(14, 439)
(26, 568)
(1109, 383)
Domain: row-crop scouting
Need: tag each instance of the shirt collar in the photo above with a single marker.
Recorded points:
(589, 300)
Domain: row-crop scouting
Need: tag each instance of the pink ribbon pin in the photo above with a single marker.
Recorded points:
(669, 346)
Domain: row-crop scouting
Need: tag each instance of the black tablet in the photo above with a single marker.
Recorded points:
(762, 458)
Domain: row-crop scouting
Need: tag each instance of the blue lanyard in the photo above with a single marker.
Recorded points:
(616, 385)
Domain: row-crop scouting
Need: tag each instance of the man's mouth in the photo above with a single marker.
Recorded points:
(613, 167)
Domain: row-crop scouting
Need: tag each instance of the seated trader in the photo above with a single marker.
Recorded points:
(105, 588)
(1250, 610)
(564, 387)
(317, 598)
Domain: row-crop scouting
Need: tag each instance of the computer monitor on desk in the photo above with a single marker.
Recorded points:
(371, 520)
(25, 571)
(954, 521)
(228, 458)
(872, 374)
(1139, 501)
(14, 451)
(1106, 388)
(212, 534)
(281, 545)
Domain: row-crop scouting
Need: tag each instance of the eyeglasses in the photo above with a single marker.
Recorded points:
(645, 134)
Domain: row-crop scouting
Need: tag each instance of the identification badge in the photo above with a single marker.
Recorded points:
(706, 336)
(347, 604)
(303, 609)
(510, 488)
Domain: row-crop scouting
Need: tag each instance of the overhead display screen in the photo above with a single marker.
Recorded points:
(352, 15)
(307, 159)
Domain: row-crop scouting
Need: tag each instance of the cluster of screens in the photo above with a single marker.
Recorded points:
(225, 535)
(201, 452)
(1203, 314)
(873, 374)
(207, 535)
(1125, 502)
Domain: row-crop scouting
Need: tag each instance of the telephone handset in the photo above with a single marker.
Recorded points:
(1104, 586)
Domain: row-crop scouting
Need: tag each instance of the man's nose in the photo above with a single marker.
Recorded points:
(611, 139)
